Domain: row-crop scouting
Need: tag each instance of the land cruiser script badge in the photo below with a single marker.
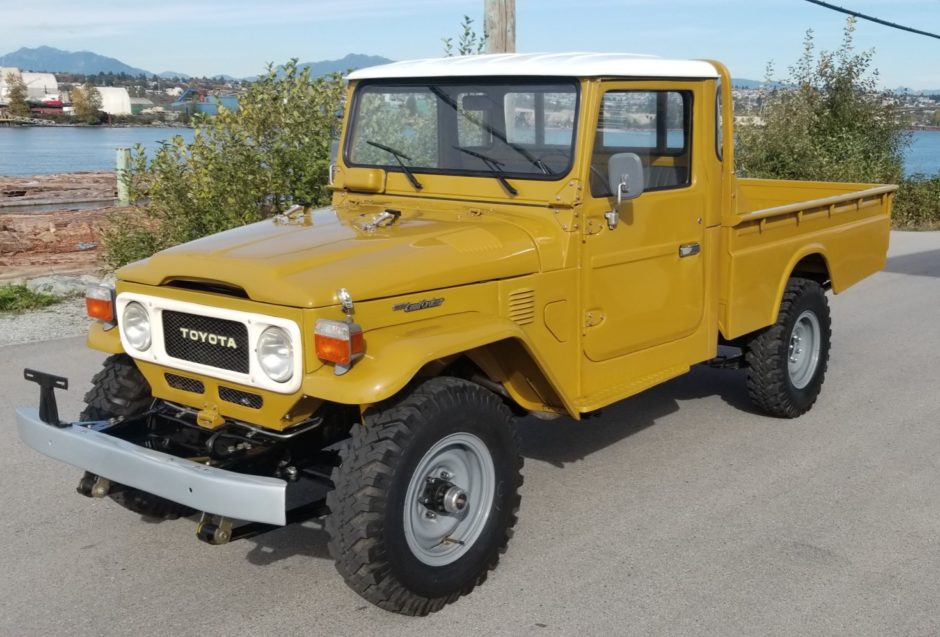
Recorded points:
(420, 305)
(205, 337)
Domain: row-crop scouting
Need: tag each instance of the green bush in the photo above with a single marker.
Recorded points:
(242, 166)
(826, 121)
(917, 204)
(14, 298)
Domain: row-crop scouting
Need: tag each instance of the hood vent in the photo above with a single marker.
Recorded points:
(522, 306)
(213, 287)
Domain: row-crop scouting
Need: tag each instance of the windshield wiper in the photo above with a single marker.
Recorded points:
(398, 155)
(493, 165)
(447, 99)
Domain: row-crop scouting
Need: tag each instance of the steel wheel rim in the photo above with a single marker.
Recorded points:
(439, 538)
(803, 349)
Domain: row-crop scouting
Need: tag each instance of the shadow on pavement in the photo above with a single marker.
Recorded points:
(557, 442)
(564, 440)
(294, 539)
(916, 264)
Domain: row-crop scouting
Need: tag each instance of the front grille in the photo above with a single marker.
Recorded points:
(239, 397)
(186, 384)
(206, 340)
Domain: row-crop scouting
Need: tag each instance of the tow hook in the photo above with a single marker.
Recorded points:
(214, 529)
(92, 486)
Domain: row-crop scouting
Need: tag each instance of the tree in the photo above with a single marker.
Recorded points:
(242, 166)
(468, 43)
(86, 104)
(827, 120)
(16, 95)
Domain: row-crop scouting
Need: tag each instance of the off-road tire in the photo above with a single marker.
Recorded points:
(367, 507)
(120, 390)
(768, 380)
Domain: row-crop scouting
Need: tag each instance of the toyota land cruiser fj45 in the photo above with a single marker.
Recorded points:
(509, 235)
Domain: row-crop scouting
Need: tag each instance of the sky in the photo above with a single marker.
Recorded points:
(238, 37)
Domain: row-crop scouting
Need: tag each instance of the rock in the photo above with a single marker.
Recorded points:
(60, 285)
(41, 284)
(68, 286)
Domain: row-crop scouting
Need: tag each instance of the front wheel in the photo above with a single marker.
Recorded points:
(786, 363)
(426, 496)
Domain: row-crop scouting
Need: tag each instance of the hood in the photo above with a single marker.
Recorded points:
(301, 262)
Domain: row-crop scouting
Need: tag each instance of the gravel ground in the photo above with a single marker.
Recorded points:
(64, 319)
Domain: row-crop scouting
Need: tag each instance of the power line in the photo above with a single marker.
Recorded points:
(893, 25)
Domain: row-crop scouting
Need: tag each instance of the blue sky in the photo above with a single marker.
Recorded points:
(238, 36)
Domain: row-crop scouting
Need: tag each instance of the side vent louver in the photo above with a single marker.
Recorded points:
(522, 306)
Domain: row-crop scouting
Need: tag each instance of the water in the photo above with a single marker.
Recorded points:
(923, 156)
(42, 150)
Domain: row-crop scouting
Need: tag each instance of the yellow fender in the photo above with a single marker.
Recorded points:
(799, 255)
(102, 340)
(411, 346)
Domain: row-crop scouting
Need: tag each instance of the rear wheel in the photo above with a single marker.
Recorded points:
(786, 363)
(426, 496)
(120, 390)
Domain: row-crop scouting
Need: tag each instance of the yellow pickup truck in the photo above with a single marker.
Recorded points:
(509, 235)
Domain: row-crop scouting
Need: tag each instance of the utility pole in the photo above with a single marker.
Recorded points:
(499, 26)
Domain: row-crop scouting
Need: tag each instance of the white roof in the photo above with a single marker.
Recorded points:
(115, 100)
(541, 64)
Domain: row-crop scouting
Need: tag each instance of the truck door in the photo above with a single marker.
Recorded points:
(644, 274)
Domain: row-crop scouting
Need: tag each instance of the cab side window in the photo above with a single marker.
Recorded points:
(656, 125)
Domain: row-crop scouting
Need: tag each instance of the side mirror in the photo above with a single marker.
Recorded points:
(625, 171)
(334, 153)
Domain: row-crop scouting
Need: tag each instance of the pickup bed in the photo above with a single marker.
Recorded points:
(509, 235)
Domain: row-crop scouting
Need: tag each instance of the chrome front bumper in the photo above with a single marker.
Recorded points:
(216, 491)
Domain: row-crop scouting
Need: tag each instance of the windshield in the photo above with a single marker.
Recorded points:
(501, 129)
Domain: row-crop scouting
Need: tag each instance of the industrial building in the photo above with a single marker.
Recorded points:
(193, 101)
(114, 100)
(40, 87)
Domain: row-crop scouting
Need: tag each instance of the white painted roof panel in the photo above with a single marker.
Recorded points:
(541, 64)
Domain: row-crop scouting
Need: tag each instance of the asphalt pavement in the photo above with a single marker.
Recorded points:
(679, 511)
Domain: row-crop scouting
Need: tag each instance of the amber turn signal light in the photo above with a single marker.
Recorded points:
(99, 303)
(338, 342)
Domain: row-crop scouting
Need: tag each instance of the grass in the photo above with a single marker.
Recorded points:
(15, 298)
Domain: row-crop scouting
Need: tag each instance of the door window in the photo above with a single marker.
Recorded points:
(656, 125)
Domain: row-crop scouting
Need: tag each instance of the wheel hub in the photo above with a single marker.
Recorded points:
(803, 349)
(449, 499)
(444, 497)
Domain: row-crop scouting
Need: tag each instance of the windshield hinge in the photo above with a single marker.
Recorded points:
(569, 195)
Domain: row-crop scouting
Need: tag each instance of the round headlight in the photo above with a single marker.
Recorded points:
(276, 354)
(135, 323)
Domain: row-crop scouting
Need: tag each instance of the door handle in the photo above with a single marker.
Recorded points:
(689, 249)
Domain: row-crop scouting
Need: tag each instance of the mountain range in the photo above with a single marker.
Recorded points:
(51, 60)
